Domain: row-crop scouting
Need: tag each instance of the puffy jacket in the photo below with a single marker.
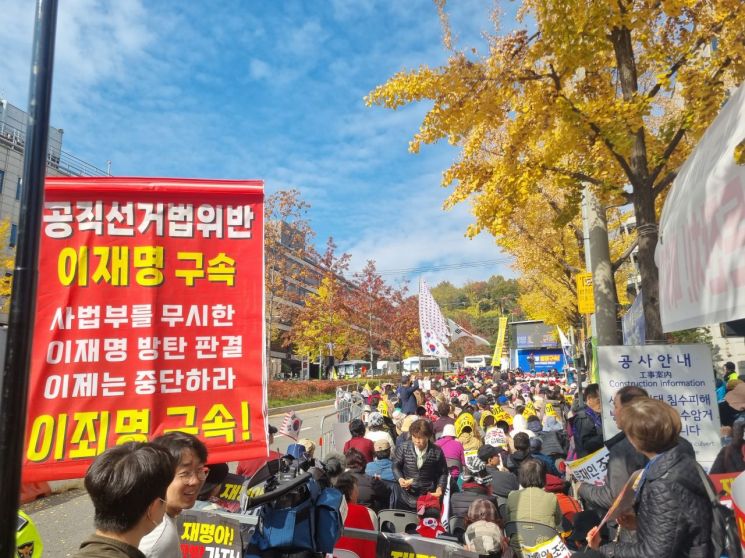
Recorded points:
(673, 512)
(434, 471)
(461, 501)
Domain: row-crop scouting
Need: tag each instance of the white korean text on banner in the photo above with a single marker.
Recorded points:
(432, 324)
(680, 375)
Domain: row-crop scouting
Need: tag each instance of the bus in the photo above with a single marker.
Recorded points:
(353, 369)
(477, 361)
(425, 364)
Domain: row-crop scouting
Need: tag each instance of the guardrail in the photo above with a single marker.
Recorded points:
(333, 432)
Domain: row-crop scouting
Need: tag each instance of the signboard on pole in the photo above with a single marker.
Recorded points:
(149, 319)
(585, 295)
(634, 326)
(702, 229)
(680, 375)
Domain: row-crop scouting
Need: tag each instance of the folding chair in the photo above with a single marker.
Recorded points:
(342, 553)
(374, 518)
(457, 527)
(399, 519)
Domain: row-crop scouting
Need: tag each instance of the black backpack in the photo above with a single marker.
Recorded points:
(725, 538)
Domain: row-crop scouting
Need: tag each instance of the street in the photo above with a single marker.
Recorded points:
(64, 520)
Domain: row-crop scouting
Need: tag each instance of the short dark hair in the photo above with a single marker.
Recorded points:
(421, 428)
(519, 409)
(729, 365)
(592, 390)
(346, 483)
(488, 421)
(521, 441)
(356, 428)
(383, 454)
(176, 442)
(443, 408)
(504, 425)
(532, 472)
(629, 393)
(355, 459)
(653, 424)
(124, 480)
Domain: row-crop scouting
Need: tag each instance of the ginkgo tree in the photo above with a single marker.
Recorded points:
(611, 94)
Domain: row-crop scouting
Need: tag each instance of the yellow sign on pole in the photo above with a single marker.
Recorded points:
(585, 296)
(497, 358)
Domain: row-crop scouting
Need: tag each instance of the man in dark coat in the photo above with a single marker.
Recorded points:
(474, 488)
(587, 425)
(419, 467)
(409, 384)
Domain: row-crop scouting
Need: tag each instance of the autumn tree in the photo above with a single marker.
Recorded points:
(288, 250)
(402, 329)
(325, 321)
(610, 94)
(370, 303)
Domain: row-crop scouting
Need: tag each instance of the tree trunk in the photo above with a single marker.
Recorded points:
(644, 211)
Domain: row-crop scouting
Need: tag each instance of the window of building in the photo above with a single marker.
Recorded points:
(18, 189)
(2, 179)
(13, 235)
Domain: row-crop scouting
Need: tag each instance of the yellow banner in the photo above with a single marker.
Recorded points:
(464, 420)
(585, 296)
(497, 358)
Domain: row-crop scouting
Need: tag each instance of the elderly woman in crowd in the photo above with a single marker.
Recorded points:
(532, 503)
(672, 513)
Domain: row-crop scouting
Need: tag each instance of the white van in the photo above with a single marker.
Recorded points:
(477, 361)
(425, 364)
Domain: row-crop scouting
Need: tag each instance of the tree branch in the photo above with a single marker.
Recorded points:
(664, 183)
(625, 256)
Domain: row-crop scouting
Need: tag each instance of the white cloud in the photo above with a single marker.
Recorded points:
(259, 70)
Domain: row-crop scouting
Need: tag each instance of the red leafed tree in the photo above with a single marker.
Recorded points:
(370, 303)
(402, 328)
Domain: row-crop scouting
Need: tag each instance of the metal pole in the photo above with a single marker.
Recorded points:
(14, 380)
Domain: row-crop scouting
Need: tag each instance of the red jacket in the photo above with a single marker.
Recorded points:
(362, 445)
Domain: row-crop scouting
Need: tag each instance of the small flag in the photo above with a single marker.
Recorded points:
(291, 425)
(456, 332)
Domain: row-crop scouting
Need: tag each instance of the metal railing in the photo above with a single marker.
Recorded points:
(349, 406)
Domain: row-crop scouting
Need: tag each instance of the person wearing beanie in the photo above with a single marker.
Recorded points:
(475, 487)
(376, 429)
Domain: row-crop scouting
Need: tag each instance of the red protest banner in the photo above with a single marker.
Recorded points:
(149, 318)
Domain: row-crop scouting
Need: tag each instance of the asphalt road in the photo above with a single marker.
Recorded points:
(64, 520)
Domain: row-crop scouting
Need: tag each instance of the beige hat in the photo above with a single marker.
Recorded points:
(309, 446)
(382, 445)
(408, 421)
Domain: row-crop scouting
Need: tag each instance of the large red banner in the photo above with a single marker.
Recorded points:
(149, 318)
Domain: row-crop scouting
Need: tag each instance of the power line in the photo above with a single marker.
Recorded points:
(445, 267)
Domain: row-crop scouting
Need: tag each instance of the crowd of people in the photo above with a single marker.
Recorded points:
(474, 456)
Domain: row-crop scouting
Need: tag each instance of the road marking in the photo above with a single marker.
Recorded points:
(304, 429)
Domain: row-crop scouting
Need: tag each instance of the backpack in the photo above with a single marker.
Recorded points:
(725, 538)
(306, 519)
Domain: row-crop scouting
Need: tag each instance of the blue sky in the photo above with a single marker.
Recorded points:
(269, 90)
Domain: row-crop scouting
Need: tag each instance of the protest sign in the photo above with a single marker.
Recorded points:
(495, 437)
(472, 461)
(554, 548)
(723, 486)
(592, 468)
(680, 375)
(206, 535)
(624, 502)
(149, 319)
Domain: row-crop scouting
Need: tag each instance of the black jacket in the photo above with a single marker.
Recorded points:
(434, 471)
(373, 493)
(461, 501)
(673, 512)
(502, 482)
(729, 460)
(587, 436)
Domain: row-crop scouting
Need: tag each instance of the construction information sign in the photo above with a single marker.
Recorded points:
(681, 375)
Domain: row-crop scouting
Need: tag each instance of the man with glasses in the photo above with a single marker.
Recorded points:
(191, 455)
(127, 485)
